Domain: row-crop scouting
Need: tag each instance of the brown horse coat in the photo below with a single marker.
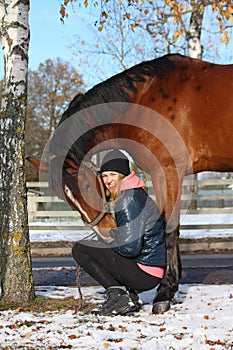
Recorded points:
(174, 115)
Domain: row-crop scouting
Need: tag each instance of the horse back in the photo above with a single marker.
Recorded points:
(196, 98)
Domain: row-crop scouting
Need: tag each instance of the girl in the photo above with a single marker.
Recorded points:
(136, 261)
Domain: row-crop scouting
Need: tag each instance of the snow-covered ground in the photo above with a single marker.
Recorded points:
(201, 319)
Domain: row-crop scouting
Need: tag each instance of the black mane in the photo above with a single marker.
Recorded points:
(115, 88)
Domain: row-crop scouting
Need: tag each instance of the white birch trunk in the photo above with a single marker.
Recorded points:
(17, 281)
(195, 49)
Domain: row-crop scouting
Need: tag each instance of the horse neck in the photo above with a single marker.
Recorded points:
(106, 137)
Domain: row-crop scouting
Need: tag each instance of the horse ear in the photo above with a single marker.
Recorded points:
(38, 164)
(70, 166)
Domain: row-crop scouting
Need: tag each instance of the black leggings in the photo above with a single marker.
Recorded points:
(111, 269)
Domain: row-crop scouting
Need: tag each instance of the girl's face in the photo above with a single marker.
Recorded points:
(111, 179)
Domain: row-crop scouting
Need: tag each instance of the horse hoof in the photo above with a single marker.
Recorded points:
(161, 306)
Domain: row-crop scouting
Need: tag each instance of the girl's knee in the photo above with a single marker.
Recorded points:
(82, 253)
(76, 251)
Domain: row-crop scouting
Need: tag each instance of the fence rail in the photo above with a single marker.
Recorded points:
(208, 197)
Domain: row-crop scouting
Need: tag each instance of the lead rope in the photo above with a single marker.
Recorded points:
(78, 281)
(92, 236)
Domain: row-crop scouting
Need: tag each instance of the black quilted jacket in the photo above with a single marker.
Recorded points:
(140, 229)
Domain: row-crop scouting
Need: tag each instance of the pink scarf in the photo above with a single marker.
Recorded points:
(131, 181)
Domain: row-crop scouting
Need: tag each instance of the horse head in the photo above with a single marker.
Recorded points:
(82, 187)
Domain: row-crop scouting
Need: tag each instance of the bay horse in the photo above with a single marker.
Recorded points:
(173, 115)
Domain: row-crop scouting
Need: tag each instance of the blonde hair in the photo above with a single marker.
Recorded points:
(115, 194)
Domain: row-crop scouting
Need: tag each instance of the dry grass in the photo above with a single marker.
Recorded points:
(44, 304)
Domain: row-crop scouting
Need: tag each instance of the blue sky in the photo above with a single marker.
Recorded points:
(49, 37)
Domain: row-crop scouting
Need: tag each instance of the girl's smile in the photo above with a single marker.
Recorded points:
(110, 179)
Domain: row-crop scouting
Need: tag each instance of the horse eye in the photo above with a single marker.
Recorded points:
(83, 182)
(87, 186)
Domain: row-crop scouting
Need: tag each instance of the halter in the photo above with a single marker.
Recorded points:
(105, 208)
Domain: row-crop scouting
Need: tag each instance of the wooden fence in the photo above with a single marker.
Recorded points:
(198, 197)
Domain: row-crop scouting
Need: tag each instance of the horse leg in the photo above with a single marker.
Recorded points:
(171, 211)
(170, 282)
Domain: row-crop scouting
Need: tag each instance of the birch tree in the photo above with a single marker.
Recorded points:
(194, 37)
(127, 32)
(17, 280)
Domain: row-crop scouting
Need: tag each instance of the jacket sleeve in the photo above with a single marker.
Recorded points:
(130, 227)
